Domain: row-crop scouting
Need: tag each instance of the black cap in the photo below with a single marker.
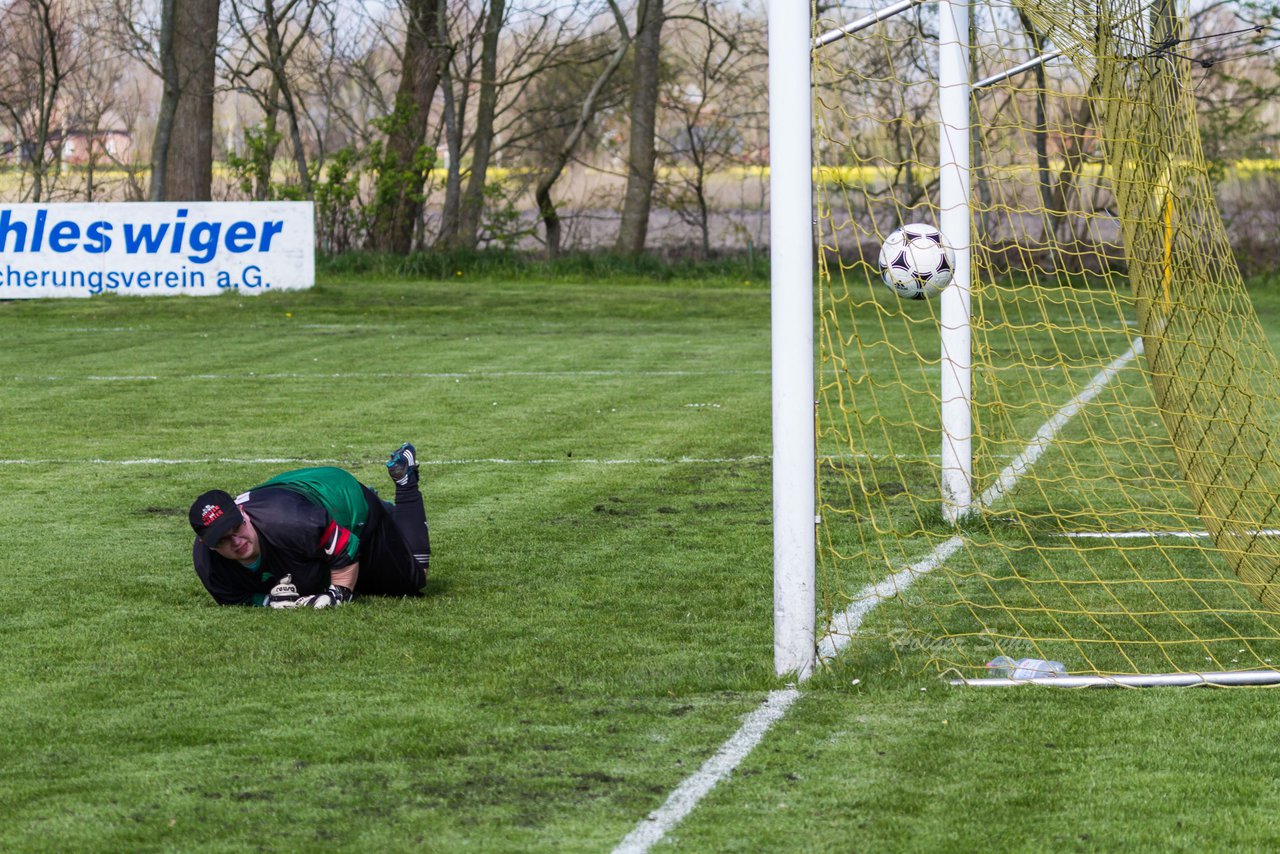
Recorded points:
(214, 515)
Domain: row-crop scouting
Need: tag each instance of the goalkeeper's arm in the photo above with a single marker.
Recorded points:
(345, 577)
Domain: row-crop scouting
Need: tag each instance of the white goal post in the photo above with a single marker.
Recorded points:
(791, 238)
(791, 230)
(954, 301)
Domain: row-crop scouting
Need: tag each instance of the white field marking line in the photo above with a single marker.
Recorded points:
(380, 375)
(1045, 436)
(681, 802)
(686, 796)
(842, 626)
(159, 461)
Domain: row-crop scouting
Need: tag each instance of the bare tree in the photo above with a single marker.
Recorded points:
(709, 107)
(130, 31)
(569, 125)
(1237, 76)
(271, 34)
(403, 170)
(638, 199)
(94, 102)
(495, 65)
(346, 77)
(182, 154)
(472, 206)
(462, 32)
(36, 57)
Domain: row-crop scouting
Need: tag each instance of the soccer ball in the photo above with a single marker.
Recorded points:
(915, 263)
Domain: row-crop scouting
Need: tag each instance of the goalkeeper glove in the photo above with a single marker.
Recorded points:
(335, 596)
(283, 595)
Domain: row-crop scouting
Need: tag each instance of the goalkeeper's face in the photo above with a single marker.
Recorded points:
(240, 544)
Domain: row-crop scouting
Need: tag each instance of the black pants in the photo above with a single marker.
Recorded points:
(395, 546)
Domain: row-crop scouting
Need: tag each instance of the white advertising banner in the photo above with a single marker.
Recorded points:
(153, 248)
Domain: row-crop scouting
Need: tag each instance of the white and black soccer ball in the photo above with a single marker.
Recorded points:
(915, 262)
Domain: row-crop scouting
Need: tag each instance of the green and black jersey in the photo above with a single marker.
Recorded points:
(309, 524)
(338, 492)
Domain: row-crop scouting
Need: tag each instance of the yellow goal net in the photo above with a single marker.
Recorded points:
(1123, 513)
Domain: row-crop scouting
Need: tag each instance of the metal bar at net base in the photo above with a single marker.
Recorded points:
(1139, 680)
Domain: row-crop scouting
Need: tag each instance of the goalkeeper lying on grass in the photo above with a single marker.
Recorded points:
(313, 538)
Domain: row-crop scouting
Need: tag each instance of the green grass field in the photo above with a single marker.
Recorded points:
(597, 624)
